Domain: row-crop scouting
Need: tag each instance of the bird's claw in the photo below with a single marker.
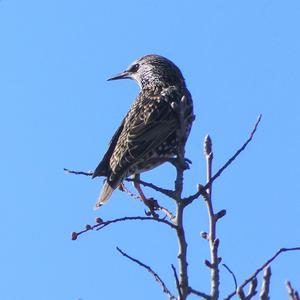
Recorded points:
(153, 206)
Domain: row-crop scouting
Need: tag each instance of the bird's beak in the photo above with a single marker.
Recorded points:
(122, 75)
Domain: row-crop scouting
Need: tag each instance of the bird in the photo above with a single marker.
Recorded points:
(148, 135)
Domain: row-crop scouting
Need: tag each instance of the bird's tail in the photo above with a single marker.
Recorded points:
(104, 195)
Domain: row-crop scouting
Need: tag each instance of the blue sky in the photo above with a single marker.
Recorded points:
(239, 58)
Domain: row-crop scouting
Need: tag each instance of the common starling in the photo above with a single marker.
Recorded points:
(148, 135)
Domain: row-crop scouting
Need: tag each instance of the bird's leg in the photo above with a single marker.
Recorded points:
(150, 203)
(123, 188)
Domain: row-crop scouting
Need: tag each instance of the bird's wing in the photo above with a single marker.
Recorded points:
(148, 124)
(102, 168)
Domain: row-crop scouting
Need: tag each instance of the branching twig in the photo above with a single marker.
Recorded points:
(153, 273)
(264, 294)
(190, 199)
(294, 295)
(101, 224)
(264, 265)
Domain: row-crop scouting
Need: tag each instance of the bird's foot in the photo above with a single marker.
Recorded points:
(153, 206)
(176, 163)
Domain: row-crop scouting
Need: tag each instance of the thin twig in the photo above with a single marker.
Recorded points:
(101, 224)
(190, 199)
(89, 173)
(153, 273)
(264, 265)
(292, 293)
(166, 192)
(232, 274)
(264, 294)
(176, 280)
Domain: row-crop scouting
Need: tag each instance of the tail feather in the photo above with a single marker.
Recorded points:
(104, 195)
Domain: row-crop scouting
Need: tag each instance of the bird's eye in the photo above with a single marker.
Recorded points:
(134, 68)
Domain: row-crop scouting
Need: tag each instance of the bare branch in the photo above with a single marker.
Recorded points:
(213, 219)
(180, 168)
(292, 293)
(153, 273)
(264, 265)
(190, 199)
(101, 224)
(232, 274)
(264, 294)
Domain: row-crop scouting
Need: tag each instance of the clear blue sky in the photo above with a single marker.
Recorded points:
(239, 58)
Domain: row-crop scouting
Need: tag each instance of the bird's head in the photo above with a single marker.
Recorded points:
(152, 70)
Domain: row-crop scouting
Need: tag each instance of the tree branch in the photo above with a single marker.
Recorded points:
(101, 224)
(264, 265)
(212, 234)
(190, 199)
(153, 273)
(180, 167)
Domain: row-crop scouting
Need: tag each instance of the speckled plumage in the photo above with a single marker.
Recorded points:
(147, 135)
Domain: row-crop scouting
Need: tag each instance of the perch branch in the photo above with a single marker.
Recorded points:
(180, 168)
(153, 273)
(190, 199)
(264, 265)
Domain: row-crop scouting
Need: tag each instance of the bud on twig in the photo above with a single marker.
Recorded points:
(204, 235)
(207, 145)
(208, 264)
(88, 227)
(99, 220)
(220, 214)
(74, 236)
